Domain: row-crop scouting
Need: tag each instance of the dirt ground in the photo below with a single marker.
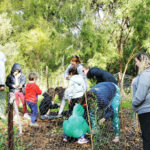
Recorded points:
(49, 135)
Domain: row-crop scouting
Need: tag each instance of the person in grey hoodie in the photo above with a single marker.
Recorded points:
(2, 85)
(76, 63)
(141, 96)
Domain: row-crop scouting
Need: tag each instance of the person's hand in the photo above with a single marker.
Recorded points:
(2, 88)
(14, 86)
(67, 78)
(70, 102)
(101, 121)
(59, 104)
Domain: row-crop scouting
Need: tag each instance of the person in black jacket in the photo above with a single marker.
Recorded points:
(47, 103)
(16, 82)
(98, 74)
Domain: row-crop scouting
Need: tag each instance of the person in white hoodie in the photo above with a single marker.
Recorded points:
(2, 85)
(74, 92)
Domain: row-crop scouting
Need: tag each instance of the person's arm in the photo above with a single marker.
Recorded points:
(109, 112)
(69, 92)
(85, 125)
(38, 90)
(142, 90)
(62, 106)
(54, 106)
(8, 82)
(22, 81)
(67, 71)
(80, 69)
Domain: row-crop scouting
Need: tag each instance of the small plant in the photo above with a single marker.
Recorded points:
(18, 143)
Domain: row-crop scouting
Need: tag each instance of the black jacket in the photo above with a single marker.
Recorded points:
(10, 81)
(101, 75)
(46, 104)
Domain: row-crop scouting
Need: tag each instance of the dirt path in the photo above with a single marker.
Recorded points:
(49, 135)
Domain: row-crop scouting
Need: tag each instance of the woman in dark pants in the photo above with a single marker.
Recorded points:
(141, 96)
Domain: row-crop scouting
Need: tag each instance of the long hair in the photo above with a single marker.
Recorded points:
(145, 61)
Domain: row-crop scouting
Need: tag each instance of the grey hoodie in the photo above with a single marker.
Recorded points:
(141, 92)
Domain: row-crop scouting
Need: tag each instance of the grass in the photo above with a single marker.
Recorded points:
(18, 143)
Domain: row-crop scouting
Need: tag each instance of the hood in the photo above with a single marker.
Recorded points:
(45, 94)
(16, 66)
(78, 110)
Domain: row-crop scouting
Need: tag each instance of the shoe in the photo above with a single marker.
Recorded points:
(33, 124)
(58, 116)
(43, 117)
(82, 140)
(65, 140)
(116, 139)
(26, 115)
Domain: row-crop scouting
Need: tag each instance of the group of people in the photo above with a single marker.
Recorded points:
(105, 92)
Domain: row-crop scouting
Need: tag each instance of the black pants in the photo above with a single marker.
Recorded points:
(144, 120)
(71, 105)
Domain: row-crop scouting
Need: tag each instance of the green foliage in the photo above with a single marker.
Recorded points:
(37, 33)
(18, 144)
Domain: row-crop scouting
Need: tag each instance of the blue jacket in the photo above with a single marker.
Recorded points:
(101, 75)
(105, 92)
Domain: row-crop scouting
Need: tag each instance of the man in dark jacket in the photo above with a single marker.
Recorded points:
(16, 82)
(99, 74)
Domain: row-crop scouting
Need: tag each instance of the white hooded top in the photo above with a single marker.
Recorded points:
(76, 87)
(2, 68)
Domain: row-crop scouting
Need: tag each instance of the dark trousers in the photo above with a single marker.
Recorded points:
(71, 105)
(34, 111)
(144, 120)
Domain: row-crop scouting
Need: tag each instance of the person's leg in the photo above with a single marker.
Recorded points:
(31, 106)
(65, 139)
(144, 120)
(34, 112)
(17, 98)
(115, 118)
(21, 95)
(62, 107)
(2, 104)
(72, 104)
(82, 140)
(93, 120)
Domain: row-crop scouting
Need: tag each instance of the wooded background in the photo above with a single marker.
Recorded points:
(104, 33)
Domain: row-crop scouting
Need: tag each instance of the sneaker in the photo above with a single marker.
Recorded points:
(65, 140)
(33, 124)
(82, 140)
(58, 116)
(43, 117)
(26, 115)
